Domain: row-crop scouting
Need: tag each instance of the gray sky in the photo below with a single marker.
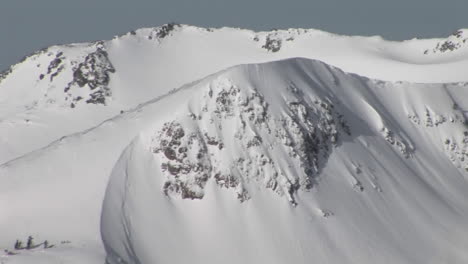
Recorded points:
(29, 25)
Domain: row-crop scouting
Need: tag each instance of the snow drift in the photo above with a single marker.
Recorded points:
(294, 161)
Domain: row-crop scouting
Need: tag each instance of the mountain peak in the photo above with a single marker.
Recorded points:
(263, 151)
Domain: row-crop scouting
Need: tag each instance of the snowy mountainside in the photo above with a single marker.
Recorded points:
(91, 82)
(193, 148)
(38, 97)
(56, 73)
(303, 159)
(351, 165)
(343, 157)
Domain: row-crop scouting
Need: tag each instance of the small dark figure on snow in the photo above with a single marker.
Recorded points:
(30, 243)
(47, 245)
(18, 245)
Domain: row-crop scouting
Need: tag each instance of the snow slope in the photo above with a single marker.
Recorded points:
(376, 194)
(293, 162)
(42, 97)
(57, 157)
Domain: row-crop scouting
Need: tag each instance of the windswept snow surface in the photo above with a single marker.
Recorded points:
(282, 161)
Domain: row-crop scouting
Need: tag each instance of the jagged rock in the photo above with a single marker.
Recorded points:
(457, 40)
(189, 155)
(93, 73)
(272, 44)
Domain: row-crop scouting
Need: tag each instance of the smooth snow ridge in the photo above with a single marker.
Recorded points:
(293, 162)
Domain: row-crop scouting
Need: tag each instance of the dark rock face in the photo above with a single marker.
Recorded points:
(456, 41)
(163, 31)
(166, 29)
(447, 46)
(313, 131)
(55, 67)
(94, 73)
(186, 160)
(272, 44)
(275, 40)
(194, 149)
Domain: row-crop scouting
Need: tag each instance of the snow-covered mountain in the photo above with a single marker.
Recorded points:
(68, 86)
(278, 159)
(293, 161)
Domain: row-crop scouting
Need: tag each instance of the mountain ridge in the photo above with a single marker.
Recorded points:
(92, 82)
(185, 86)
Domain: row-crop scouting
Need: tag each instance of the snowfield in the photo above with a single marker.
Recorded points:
(178, 143)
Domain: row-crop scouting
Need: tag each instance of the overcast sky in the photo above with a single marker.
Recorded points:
(29, 25)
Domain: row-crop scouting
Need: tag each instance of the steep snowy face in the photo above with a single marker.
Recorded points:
(293, 161)
(234, 135)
